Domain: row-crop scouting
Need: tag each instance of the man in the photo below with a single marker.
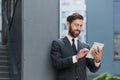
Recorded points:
(69, 54)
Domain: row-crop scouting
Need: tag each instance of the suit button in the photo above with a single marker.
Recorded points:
(76, 77)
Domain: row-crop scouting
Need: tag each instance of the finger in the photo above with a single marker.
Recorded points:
(85, 53)
(96, 55)
(98, 49)
(85, 49)
(95, 50)
(93, 53)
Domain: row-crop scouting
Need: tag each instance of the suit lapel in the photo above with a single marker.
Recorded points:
(79, 45)
(67, 43)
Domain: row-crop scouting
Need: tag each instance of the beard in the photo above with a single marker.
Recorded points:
(74, 33)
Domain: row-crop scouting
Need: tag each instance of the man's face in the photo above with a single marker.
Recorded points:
(75, 27)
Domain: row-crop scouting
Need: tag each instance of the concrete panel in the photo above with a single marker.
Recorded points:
(40, 27)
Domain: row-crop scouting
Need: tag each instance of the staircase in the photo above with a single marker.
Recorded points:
(4, 63)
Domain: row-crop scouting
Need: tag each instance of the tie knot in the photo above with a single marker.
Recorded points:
(73, 40)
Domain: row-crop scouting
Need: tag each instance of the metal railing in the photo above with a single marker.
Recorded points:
(13, 68)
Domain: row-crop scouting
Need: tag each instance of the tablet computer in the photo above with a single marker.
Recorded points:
(95, 45)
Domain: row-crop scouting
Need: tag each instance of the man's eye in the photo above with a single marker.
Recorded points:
(80, 25)
(76, 25)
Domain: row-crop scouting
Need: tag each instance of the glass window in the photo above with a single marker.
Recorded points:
(66, 7)
(117, 29)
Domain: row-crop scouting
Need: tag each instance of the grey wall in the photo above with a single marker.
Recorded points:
(100, 28)
(40, 27)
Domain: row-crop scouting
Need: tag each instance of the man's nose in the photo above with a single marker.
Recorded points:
(78, 28)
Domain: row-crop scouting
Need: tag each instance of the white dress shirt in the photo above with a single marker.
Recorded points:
(74, 59)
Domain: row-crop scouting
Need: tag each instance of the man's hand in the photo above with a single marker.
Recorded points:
(83, 52)
(97, 54)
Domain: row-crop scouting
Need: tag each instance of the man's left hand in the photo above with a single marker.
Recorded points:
(97, 54)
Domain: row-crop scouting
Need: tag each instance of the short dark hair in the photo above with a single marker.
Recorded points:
(74, 16)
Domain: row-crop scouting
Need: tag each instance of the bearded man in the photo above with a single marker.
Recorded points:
(69, 53)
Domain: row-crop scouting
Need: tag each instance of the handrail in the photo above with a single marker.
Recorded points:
(11, 54)
(11, 21)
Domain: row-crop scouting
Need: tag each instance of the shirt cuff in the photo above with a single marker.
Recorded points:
(74, 59)
(97, 64)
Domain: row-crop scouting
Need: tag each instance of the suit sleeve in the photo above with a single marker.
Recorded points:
(91, 64)
(58, 61)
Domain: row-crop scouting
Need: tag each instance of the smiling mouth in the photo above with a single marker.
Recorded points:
(77, 31)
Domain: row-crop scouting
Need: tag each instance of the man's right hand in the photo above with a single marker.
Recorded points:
(83, 52)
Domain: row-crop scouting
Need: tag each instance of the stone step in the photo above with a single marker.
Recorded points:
(3, 47)
(4, 75)
(4, 68)
(3, 63)
(3, 58)
(5, 78)
(3, 53)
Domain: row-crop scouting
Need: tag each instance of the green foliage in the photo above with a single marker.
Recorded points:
(107, 76)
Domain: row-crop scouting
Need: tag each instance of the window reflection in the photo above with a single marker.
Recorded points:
(117, 30)
(68, 6)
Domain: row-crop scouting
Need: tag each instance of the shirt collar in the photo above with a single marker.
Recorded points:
(70, 38)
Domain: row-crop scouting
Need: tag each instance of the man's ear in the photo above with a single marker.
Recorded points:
(67, 24)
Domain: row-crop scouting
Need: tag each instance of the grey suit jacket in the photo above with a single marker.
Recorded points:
(61, 55)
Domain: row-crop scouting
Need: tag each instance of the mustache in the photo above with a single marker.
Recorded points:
(77, 30)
